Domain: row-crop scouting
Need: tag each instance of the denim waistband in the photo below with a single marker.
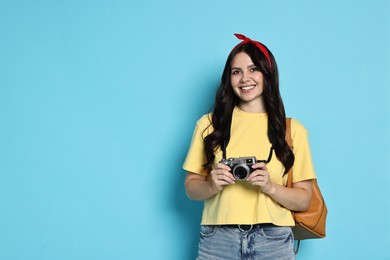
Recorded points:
(248, 227)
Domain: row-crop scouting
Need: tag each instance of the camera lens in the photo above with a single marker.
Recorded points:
(240, 172)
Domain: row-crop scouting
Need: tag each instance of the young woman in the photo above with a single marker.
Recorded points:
(248, 217)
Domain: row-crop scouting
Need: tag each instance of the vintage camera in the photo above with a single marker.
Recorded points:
(241, 167)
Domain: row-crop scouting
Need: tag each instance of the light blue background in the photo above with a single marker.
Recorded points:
(98, 100)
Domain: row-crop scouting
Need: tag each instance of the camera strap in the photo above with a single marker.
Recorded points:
(271, 149)
(227, 139)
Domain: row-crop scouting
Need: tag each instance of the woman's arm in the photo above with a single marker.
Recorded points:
(198, 187)
(296, 198)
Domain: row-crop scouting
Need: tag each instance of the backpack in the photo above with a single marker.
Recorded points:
(310, 223)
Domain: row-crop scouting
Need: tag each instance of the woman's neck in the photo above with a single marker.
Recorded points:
(252, 107)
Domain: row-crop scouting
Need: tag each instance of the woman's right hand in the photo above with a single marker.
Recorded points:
(221, 176)
(201, 187)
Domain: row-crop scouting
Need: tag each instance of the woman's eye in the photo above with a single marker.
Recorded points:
(255, 69)
(235, 72)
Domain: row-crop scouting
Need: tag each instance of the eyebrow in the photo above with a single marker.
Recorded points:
(250, 66)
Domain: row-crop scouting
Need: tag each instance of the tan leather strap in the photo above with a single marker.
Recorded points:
(288, 132)
(290, 143)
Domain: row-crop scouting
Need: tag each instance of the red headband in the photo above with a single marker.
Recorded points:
(257, 44)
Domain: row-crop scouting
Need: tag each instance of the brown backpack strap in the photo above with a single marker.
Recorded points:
(290, 172)
(290, 143)
(288, 132)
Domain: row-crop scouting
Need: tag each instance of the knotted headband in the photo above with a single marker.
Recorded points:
(257, 44)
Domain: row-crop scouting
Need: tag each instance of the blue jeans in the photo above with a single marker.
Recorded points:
(263, 241)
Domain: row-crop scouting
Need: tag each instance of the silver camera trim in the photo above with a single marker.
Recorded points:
(242, 165)
(234, 163)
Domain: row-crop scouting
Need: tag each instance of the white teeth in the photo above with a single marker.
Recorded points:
(247, 88)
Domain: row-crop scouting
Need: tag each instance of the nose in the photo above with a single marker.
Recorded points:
(245, 77)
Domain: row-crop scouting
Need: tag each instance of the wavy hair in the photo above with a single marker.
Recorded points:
(226, 100)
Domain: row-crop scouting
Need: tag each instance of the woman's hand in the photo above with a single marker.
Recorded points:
(200, 187)
(296, 198)
(221, 176)
(260, 177)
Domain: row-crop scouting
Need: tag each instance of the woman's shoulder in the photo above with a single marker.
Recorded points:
(204, 121)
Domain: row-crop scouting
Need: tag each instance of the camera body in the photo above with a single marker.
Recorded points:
(240, 167)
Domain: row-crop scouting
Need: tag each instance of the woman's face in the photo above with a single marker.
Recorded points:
(247, 81)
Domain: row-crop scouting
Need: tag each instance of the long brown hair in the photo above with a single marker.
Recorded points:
(226, 100)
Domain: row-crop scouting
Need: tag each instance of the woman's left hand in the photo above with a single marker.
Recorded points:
(261, 177)
(296, 198)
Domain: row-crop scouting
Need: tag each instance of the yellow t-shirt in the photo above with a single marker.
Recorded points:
(243, 203)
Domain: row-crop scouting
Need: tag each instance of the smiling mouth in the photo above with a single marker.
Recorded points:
(246, 88)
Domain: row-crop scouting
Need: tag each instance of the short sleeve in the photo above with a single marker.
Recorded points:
(303, 168)
(196, 157)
